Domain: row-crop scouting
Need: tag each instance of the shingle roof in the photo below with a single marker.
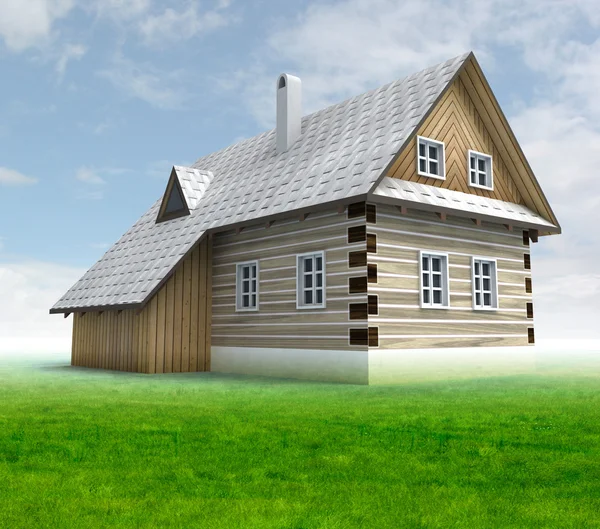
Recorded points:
(462, 204)
(193, 182)
(342, 152)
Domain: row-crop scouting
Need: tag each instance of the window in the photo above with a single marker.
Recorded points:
(480, 170)
(311, 280)
(484, 284)
(247, 286)
(434, 280)
(430, 158)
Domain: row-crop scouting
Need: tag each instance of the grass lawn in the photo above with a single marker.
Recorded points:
(86, 448)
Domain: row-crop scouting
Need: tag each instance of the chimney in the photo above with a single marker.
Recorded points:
(289, 111)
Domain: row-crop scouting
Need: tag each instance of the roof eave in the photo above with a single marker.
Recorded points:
(542, 228)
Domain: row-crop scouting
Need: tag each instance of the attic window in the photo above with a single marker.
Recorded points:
(174, 204)
(430, 158)
(480, 170)
(281, 82)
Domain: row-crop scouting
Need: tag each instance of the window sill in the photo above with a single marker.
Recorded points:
(246, 310)
(309, 307)
(430, 175)
(435, 307)
(482, 187)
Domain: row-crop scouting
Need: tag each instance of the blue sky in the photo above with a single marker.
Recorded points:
(99, 98)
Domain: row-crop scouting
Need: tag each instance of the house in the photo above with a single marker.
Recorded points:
(344, 245)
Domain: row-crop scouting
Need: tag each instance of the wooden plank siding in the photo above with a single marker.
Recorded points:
(171, 333)
(279, 323)
(401, 321)
(457, 122)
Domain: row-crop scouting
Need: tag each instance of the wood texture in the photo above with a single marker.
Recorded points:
(168, 335)
(401, 321)
(278, 323)
(457, 122)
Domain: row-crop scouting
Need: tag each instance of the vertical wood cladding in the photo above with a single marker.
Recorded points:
(278, 322)
(402, 323)
(171, 334)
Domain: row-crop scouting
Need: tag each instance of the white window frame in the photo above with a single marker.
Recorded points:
(441, 161)
(494, 283)
(445, 280)
(489, 169)
(300, 281)
(238, 286)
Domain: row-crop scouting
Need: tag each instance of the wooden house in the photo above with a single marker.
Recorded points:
(344, 245)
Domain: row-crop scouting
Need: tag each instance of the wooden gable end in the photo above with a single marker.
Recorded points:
(468, 117)
(456, 121)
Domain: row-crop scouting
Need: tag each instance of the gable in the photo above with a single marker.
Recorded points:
(468, 117)
(173, 203)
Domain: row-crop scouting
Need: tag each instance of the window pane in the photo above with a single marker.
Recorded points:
(473, 165)
(245, 287)
(426, 296)
(319, 278)
(421, 149)
(319, 296)
(486, 284)
(425, 280)
(425, 263)
(254, 300)
(245, 272)
(245, 301)
(436, 264)
(422, 166)
(433, 168)
(478, 299)
(319, 265)
(487, 300)
(433, 152)
(476, 267)
(253, 271)
(473, 177)
(254, 285)
(477, 284)
(437, 281)
(437, 296)
(307, 264)
(483, 180)
(308, 297)
(481, 164)
(308, 281)
(486, 268)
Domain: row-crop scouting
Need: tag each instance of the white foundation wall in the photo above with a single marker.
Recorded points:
(350, 367)
(393, 366)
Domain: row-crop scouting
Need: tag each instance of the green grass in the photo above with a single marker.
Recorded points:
(85, 448)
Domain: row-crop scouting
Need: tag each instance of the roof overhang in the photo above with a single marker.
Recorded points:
(423, 197)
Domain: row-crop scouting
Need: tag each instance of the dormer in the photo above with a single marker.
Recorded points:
(184, 190)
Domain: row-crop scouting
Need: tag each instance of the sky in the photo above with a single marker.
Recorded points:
(99, 98)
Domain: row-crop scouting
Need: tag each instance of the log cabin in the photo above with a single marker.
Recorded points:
(346, 245)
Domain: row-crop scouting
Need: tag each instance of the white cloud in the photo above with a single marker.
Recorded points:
(161, 89)
(27, 291)
(26, 24)
(173, 25)
(89, 176)
(69, 52)
(10, 177)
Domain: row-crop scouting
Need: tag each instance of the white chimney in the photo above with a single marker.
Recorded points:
(289, 111)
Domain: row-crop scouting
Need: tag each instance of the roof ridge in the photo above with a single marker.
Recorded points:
(457, 58)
